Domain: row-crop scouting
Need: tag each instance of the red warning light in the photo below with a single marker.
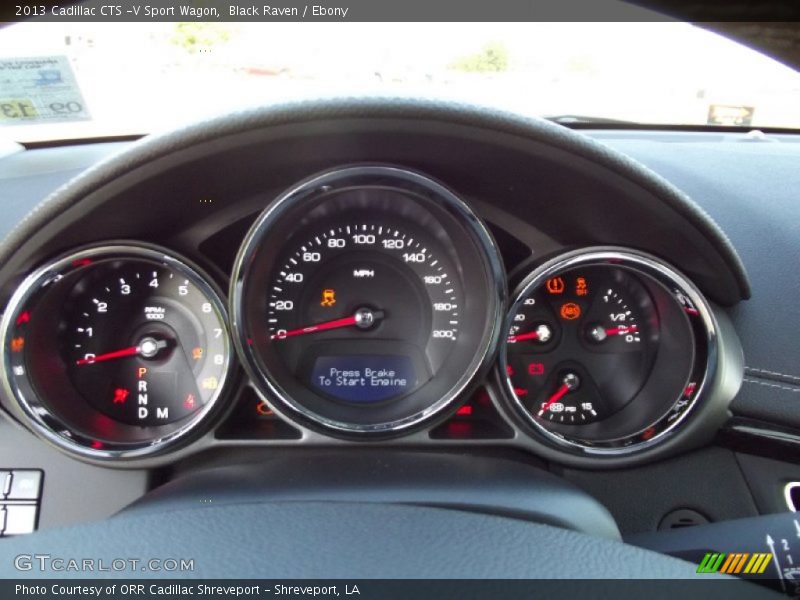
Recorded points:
(648, 433)
(509, 370)
(120, 395)
(581, 288)
(520, 392)
(570, 311)
(459, 429)
(97, 445)
(482, 398)
(690, 389)
(82, 262)
(24, 317)
(189, 403)
(536, 369)
(464, 411)
(555, 285)
(264, 410)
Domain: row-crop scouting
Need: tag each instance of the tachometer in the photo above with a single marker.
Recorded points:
(359, 322)
(117, 351)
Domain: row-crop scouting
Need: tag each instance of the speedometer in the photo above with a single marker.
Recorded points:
(377, 321)
(359, 321)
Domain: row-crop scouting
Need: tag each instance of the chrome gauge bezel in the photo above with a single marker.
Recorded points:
(676, 284)
(358, 177)
(36, 413)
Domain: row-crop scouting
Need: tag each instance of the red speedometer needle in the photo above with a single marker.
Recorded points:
(531, 335)
(363, 317)
(335, 324)
(621, 330)
(132, 351)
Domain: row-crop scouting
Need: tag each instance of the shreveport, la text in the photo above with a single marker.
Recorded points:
(178, 589)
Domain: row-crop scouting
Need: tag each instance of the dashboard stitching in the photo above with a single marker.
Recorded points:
(772, 385)
(776, 373)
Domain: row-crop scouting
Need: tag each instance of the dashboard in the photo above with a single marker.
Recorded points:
(366, 276)
(366, 302)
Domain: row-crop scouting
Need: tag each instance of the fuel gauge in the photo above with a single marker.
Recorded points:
(581, 347)
(606, 350)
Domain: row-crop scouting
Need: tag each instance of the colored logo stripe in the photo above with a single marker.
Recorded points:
(758, 564)
(711, 562)
(733, 564)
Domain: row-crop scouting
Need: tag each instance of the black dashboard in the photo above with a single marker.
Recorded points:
(364, 276)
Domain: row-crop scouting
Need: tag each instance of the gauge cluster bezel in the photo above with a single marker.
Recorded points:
(397, 193)
(720, 380)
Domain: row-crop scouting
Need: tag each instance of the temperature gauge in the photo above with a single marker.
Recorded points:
(581, 347)
(606, 350)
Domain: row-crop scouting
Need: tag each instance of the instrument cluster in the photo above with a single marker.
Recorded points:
(367, 303)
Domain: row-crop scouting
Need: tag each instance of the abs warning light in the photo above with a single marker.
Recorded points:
(570, 311)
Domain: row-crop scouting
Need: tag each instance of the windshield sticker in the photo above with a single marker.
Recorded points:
(39, 89)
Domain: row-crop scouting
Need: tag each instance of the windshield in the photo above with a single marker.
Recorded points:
(105, 79)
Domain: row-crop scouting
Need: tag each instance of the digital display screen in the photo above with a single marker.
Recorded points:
(364, 379)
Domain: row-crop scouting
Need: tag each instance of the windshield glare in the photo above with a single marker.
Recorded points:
(142, 77)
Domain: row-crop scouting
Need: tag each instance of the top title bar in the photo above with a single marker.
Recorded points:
(389, 10)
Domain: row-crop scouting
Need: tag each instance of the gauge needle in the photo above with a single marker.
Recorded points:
(363, 317)
(542, 333)
(555, 397)
(531, 335)
(621, 330)
(148, 348)
(132, 351)
(570, 382)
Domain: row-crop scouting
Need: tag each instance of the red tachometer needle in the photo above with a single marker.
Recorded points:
(556, 397)
(132, 351)
(531, 335)
(621, 330)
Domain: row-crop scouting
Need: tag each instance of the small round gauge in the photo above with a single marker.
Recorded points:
(116, 351)
(582, 345)
(607, 350)
(359, 322)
